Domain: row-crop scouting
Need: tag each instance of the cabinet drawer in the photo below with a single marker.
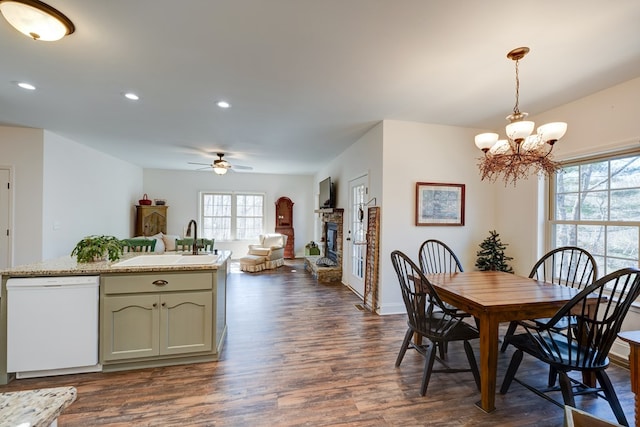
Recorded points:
(156, 282)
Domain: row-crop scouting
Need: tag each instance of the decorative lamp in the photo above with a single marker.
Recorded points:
(522, 153)
(36, 19)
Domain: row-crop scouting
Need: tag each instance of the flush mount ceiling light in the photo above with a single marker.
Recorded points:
(36, 19)
(522, 153)
(223, 104)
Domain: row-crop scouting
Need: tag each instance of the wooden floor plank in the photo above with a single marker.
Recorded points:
(299, 353)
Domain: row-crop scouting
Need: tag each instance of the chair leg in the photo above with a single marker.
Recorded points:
(472, 363)
(567, 389)
(428, 368)
(443, 349)
(405, 345)
(516, 359)
(510, 331)
(612, 398)
(553, 375)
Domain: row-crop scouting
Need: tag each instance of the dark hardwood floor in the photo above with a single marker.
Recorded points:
(300, 353)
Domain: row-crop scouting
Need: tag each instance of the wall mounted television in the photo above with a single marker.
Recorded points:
(327, 198)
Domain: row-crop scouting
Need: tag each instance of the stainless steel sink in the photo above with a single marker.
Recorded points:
(168, 259)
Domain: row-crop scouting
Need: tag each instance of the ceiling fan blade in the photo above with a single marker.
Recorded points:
(244, 168)
(205, 164)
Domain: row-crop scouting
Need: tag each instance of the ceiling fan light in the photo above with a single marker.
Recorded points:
(36, 19)
(517, 131)
(551, 132)
(485, 141)
(219, 170)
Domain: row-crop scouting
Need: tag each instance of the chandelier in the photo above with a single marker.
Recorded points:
(522, 153)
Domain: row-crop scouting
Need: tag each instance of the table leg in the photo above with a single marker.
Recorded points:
(488, 361)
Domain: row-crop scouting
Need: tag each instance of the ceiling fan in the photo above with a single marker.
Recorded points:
(221, 166)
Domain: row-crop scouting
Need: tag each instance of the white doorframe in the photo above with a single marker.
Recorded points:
(6, 209)
(356, 234)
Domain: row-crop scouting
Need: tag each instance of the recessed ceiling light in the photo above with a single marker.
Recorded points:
(132, 96)
(25, 85)
(223, 104)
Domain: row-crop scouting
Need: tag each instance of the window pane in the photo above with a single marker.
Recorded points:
(622, 242)
(250, 212)
(568, 180)
(565, 235)
(614, 264)
(625, 173)
(591, 238)
(567, 207)
(216, 216)
(594, 206)
(594, 176)
(625, 205)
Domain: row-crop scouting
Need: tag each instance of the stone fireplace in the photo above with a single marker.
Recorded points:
(331, 244)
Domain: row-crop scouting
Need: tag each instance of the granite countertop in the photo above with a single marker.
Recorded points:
(68, 266)
(34, 408)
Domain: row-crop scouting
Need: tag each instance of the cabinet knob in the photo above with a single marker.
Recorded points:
(160, 282)
(164, 304)
(155, 304)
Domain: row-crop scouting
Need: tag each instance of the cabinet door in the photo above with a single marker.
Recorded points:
(186, 322)
(151, 220)
(130, 327)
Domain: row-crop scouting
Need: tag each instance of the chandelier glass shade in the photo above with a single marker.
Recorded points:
(523, 153)
(36, 19)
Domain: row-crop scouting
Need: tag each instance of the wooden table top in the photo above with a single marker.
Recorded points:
(497, 289)
(632, 337)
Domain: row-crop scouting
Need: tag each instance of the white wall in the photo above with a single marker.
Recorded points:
(22, 149)
(85, 192)
(181, 190)
(418, 152)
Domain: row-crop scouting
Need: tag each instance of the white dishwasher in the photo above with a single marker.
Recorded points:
(52, 325)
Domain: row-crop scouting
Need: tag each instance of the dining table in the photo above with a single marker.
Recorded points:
(493, 297)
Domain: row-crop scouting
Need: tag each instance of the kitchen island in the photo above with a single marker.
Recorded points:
(149, 314)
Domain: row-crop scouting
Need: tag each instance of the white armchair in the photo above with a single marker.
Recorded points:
(271, 246)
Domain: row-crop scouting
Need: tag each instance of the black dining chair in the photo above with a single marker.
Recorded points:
(567, 266)
(595, 316)
(435, 257)
(429, 318)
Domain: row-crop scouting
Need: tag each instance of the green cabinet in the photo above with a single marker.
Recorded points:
(153, 319)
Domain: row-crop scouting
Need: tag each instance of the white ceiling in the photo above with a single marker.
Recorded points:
(306, 78)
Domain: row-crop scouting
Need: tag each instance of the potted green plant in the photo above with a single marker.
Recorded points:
(491, 256)
(98, 248)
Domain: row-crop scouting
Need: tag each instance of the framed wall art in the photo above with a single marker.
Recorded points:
(439, 204)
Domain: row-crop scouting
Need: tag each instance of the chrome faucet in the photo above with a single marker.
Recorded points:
(195, 235)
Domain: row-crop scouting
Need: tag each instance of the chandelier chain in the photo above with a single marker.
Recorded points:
(516, 107)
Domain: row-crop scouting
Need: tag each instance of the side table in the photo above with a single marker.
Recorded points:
(633, 338)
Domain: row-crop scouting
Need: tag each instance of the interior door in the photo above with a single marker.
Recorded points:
(356, 244)
(5, 218)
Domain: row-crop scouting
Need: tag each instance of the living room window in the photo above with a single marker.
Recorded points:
(231, 216)
(595, 204)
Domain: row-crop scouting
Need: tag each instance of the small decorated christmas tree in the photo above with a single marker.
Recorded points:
(491, 256)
